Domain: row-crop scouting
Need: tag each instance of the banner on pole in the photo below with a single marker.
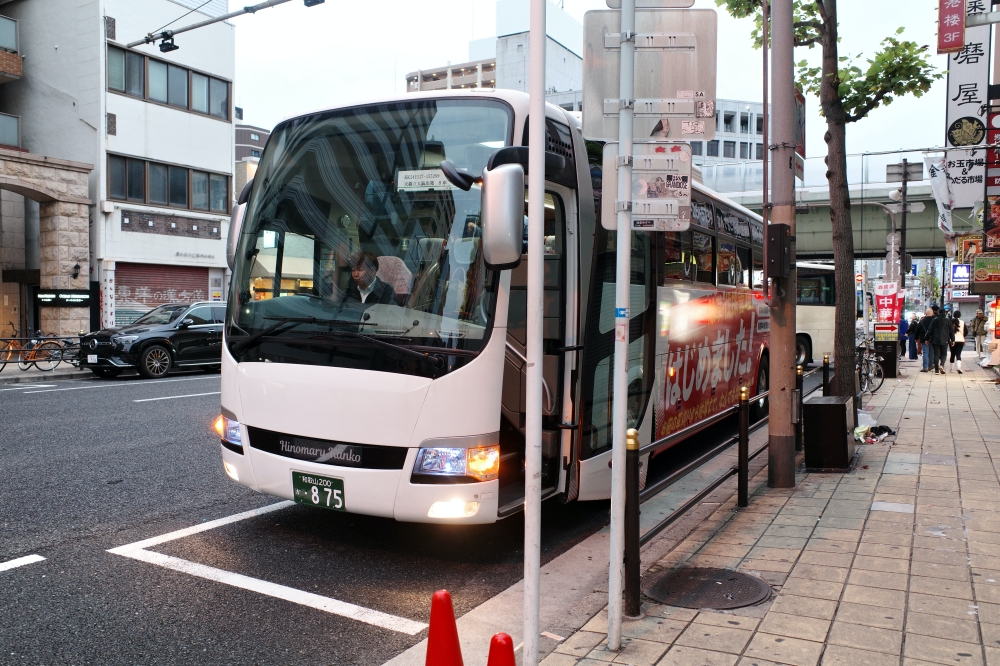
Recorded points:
(968, 79)
(941, 188)
(951, 26)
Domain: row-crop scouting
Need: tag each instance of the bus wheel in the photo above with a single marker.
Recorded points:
(803, 351)
(759, 408)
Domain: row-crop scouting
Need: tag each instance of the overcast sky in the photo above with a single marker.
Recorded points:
(291, 59)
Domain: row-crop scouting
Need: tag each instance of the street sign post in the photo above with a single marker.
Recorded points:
(660, 188)
(673, 96)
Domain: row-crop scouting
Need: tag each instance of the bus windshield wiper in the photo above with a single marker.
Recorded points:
(432, 359)
(242, 345)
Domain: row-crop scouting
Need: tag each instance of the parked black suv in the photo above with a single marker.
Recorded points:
(170, 336)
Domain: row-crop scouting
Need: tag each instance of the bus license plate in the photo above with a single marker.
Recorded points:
(321, 491)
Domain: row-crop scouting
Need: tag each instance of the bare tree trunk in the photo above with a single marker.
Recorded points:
(840, 207)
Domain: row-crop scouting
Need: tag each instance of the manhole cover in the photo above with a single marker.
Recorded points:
(720, 589)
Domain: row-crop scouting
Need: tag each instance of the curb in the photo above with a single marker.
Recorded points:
(38, 377)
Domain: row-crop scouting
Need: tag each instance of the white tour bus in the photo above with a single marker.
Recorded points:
(814, 312)
(374, 358)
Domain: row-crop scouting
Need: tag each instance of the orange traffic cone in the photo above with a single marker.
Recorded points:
(443, 648)
(501, 651)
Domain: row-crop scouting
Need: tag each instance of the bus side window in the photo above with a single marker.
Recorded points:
(728, 264)
(704, 257)
(758, 270)
(743, 254)
(677, 264)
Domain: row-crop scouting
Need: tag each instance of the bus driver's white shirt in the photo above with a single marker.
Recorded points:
(364, 292)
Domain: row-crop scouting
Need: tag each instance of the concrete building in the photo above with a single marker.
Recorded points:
(739, 134)
(157, 128)
(250, 141)
(503, 61)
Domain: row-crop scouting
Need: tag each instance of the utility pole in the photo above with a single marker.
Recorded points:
(902, 233)
(781, 435)
(626, 91)
(533, 379)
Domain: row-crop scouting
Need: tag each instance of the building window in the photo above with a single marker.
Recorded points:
(760, 125)
(696, 147)
(760, 151)
(744, 123)
(126, 72)
(199, 92)
(727, 122)
(744, 150)
(166, 83)
(729, 149)
(254, 137)
(254, 153)
(713, 148)
(131, 179)
(199, 190)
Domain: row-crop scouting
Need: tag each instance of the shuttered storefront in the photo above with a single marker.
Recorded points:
(141, 287)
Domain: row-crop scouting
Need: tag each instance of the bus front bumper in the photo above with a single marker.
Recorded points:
(372, 492)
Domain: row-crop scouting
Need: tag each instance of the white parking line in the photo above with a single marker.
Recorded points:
(139, 383)
(174, 397)
(20, 562)
(137, 551)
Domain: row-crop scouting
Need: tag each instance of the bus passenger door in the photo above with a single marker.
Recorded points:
(513, 401)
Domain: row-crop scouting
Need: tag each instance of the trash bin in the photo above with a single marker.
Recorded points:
(889, 351)
(829, 436)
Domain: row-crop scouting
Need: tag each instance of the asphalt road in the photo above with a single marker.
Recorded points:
(91, 465)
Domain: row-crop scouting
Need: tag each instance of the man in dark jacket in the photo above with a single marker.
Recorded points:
(941, 334)
(365, 286)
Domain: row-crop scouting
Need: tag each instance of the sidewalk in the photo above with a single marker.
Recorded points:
(897, 562)
(12, 374)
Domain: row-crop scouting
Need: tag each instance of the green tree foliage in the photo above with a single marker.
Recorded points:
(848, 90)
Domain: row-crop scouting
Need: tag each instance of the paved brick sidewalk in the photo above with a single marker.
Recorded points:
(895, 563)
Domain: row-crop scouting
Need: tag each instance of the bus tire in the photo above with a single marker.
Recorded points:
(803, 350)
(758, 408)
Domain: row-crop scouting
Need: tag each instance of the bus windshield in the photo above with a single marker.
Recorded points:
(353, 232)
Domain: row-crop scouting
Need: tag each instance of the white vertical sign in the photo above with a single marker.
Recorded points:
(968, 78)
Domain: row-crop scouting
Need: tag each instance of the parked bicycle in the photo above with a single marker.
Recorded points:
(868, 367)
(34, 351)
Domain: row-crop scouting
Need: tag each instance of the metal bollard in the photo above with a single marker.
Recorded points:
(743, 481)
(632, 600)
(797, 408)
(826, 375)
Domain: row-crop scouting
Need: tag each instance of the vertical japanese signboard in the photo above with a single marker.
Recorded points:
(968, 77)
(991, 214)
(951, 26)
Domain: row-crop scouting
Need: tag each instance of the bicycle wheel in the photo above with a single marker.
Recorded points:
(48, 355)
(7, 352)
(877, 376)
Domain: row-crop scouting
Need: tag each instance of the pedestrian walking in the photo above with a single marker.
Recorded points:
(911, 336)
(903, 326)
(941, 335)
(977, 327)
(957, 342)
(923, 337)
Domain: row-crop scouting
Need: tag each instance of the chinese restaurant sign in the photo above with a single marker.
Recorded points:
(968, 77)
(951, 26)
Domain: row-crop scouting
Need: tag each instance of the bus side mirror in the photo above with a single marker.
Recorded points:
(236, 225)
(503, 216)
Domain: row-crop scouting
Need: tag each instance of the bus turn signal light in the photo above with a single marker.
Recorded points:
(484, 463)
(220, 425)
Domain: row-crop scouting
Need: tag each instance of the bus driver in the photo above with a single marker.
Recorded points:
(365, 286)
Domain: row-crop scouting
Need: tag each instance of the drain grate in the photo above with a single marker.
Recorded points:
(720, 589)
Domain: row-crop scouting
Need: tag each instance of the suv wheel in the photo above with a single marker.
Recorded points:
(154, 362)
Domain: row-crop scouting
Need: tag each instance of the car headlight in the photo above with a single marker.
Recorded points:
(481, 463)
(125, 339)
(229, 430)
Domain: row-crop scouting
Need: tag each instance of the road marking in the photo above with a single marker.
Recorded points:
(25, 387)
(137, 551)
(20, 562)
(174, 397)
(138, 383)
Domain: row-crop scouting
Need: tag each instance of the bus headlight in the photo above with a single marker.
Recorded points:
(229, 430)
(481, 463)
